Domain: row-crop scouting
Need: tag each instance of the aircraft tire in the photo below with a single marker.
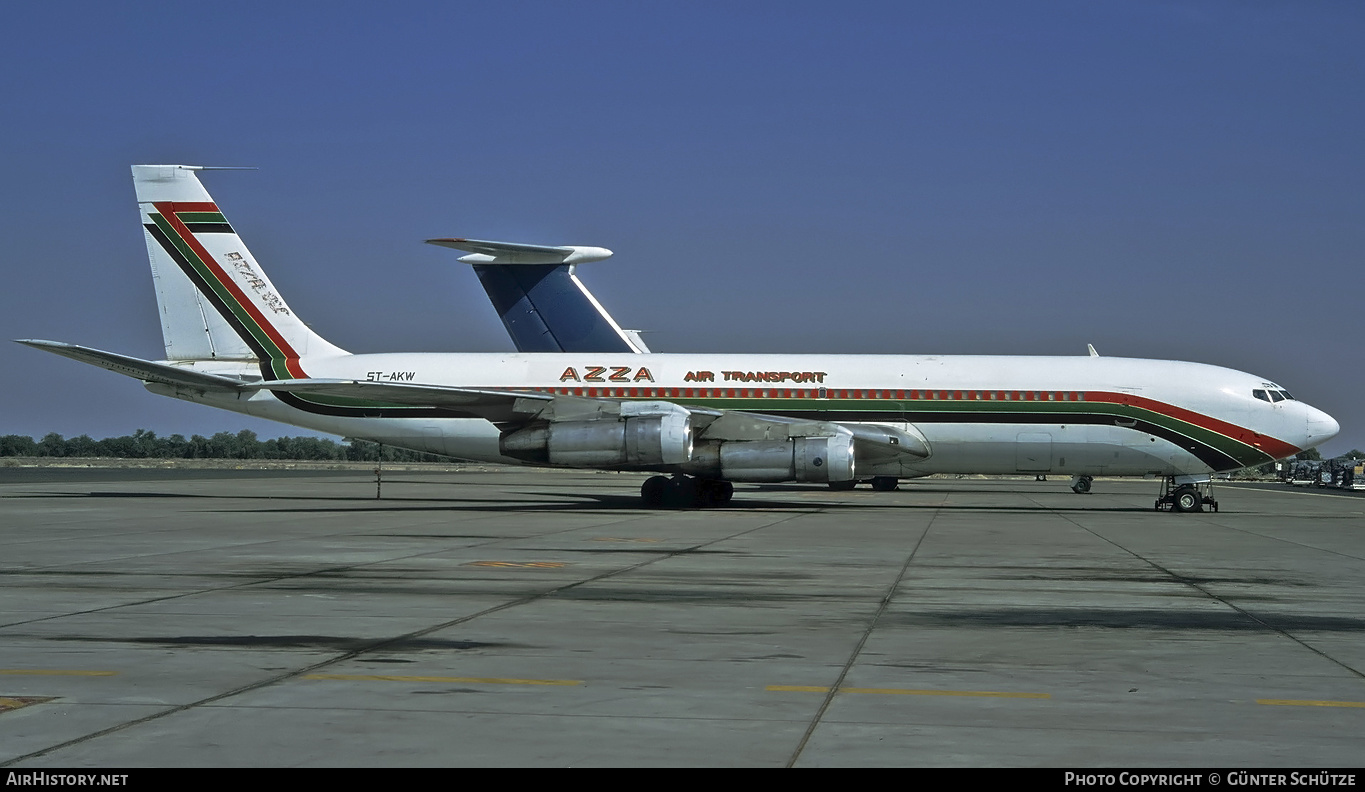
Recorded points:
(714, 492)
(686, 493)
(885, 483)
(1187, 500)
(843, 486)
(655, 491)
(1082, 486)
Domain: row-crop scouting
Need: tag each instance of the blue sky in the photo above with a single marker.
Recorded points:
(1161, 179)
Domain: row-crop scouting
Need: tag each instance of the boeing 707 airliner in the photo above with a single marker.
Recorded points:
(701, 421)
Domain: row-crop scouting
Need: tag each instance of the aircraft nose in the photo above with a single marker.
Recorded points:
(1321, 428)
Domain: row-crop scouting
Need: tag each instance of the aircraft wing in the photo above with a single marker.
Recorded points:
(511, 409)
(873, 439)
(493, 405)
(145, 370)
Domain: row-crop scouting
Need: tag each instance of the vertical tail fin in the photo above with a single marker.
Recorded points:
(546, 308)
(214, 299)
(541, 302)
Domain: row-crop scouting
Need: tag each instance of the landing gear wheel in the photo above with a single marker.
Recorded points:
(1081, 486)
(842, 486)
(885, 483)
(655, 491)
(713, 492)
(686, 493)
(1187, 499)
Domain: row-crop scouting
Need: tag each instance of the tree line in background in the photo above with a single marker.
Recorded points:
(146, 444)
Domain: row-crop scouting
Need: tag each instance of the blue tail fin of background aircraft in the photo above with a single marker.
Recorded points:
(545, 310)
(541, 302)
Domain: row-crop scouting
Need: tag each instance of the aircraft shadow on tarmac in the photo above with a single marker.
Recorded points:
(744, 501)
(1070, 618)
(1129, 618)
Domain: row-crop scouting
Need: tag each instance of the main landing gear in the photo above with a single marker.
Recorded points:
(685, 492)
(1179, 493)
(879, 483)
(1081, 484)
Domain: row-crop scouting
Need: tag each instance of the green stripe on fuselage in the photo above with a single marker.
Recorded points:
(833, 409)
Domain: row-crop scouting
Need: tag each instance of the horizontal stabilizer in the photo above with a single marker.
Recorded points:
(145, 370)
(487, 252)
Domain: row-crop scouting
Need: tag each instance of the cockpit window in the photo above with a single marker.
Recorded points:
(1287, 396)
(1276, 396)
(1260, 394)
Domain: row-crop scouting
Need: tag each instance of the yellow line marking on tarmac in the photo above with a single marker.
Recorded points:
(51, 672)
(905, 692)
(15, 702)
(1308, 703)
(520, 564)
(466, 680)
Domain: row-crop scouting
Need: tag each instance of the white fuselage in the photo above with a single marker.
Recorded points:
(979, 414)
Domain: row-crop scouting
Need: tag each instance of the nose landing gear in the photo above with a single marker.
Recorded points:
(1185, 494)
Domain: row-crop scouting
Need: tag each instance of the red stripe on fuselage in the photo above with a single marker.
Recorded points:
(1270, 445)
(168, 210)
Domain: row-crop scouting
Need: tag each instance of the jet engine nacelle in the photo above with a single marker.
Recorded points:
(644, 441)
(818, 459)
